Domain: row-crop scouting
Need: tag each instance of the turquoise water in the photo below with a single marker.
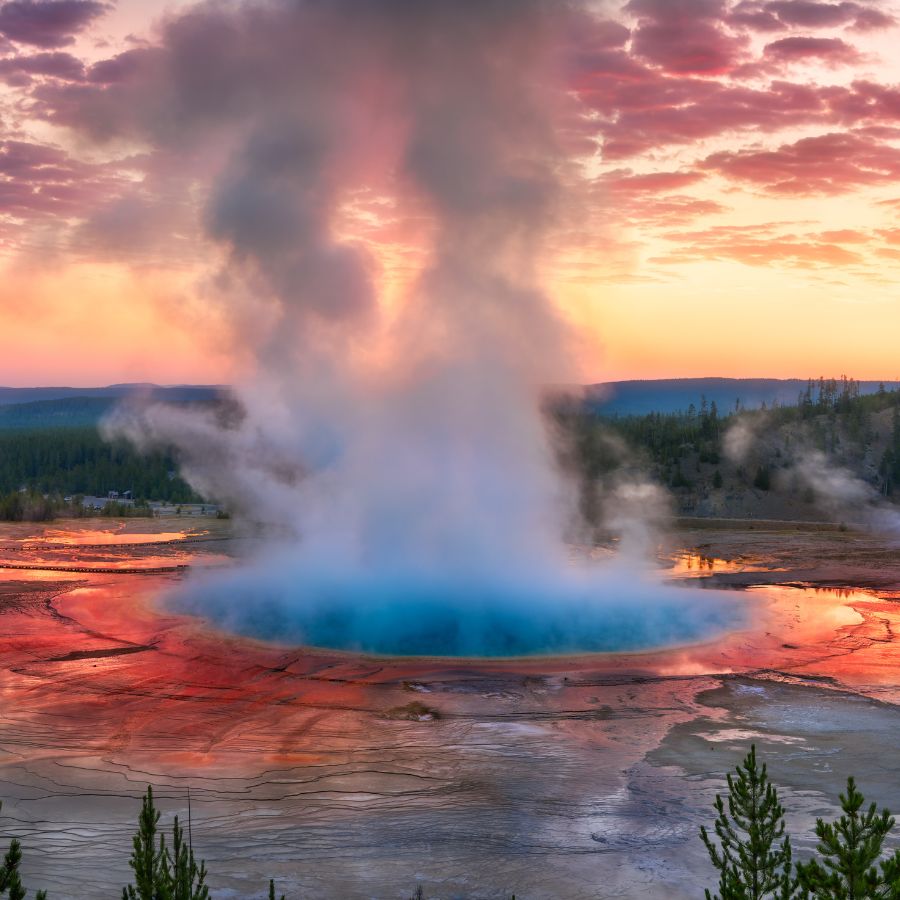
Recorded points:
(406, 615)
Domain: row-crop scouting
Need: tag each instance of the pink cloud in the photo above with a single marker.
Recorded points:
(868, 101)
(623, 182)
(646, 116)
(672, 210)
(599, 34)
(38, 181)
(641, 110)
(649, 199)
(644, 103)
(685, 36)
(668, 76)
(890, 235)
(816, 14)
(830, 50)
(60, 65)
(827, 164)
(645, 98)
(762, 245)
(120, 68)
(872, 20)
(845, 236)
(779, 15)
(754, 16)
(47, 23)
(696, 49)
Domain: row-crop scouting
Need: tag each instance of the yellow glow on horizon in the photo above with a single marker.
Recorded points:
(753, 323)
(98, 324)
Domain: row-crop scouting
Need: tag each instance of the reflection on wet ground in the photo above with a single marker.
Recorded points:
(98, 550)
(93, 537)
(353, 777)
(688, 564)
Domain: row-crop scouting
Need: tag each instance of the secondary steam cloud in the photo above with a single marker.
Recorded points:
(394, 434)
(836, 491)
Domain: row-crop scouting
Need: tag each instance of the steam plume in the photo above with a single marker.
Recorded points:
(403, 448)
(836, 491)
(844, 496)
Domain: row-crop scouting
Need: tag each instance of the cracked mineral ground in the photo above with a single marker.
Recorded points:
(351, 777)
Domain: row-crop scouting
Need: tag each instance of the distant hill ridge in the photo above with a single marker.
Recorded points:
(175, 393)
(64, 407)
(672, 395)
(49, 407)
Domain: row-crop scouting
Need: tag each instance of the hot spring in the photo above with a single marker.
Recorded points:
(589, 610)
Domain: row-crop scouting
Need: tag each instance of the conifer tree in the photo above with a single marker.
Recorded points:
(161, 874)
(147, 857)
(10, 880)
(753, 854)
(763, 479)
(851, 848)
(186, 878)
(272, 890)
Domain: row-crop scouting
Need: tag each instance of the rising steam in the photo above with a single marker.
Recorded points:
(844, 496)
(836, 491)
(399, 445)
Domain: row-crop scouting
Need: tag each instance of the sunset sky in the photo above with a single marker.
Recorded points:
(737, 211)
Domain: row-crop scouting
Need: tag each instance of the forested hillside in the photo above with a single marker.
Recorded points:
(72, 412)
(51, 449)
(778, 462)
(676, 395)
(39, 468)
